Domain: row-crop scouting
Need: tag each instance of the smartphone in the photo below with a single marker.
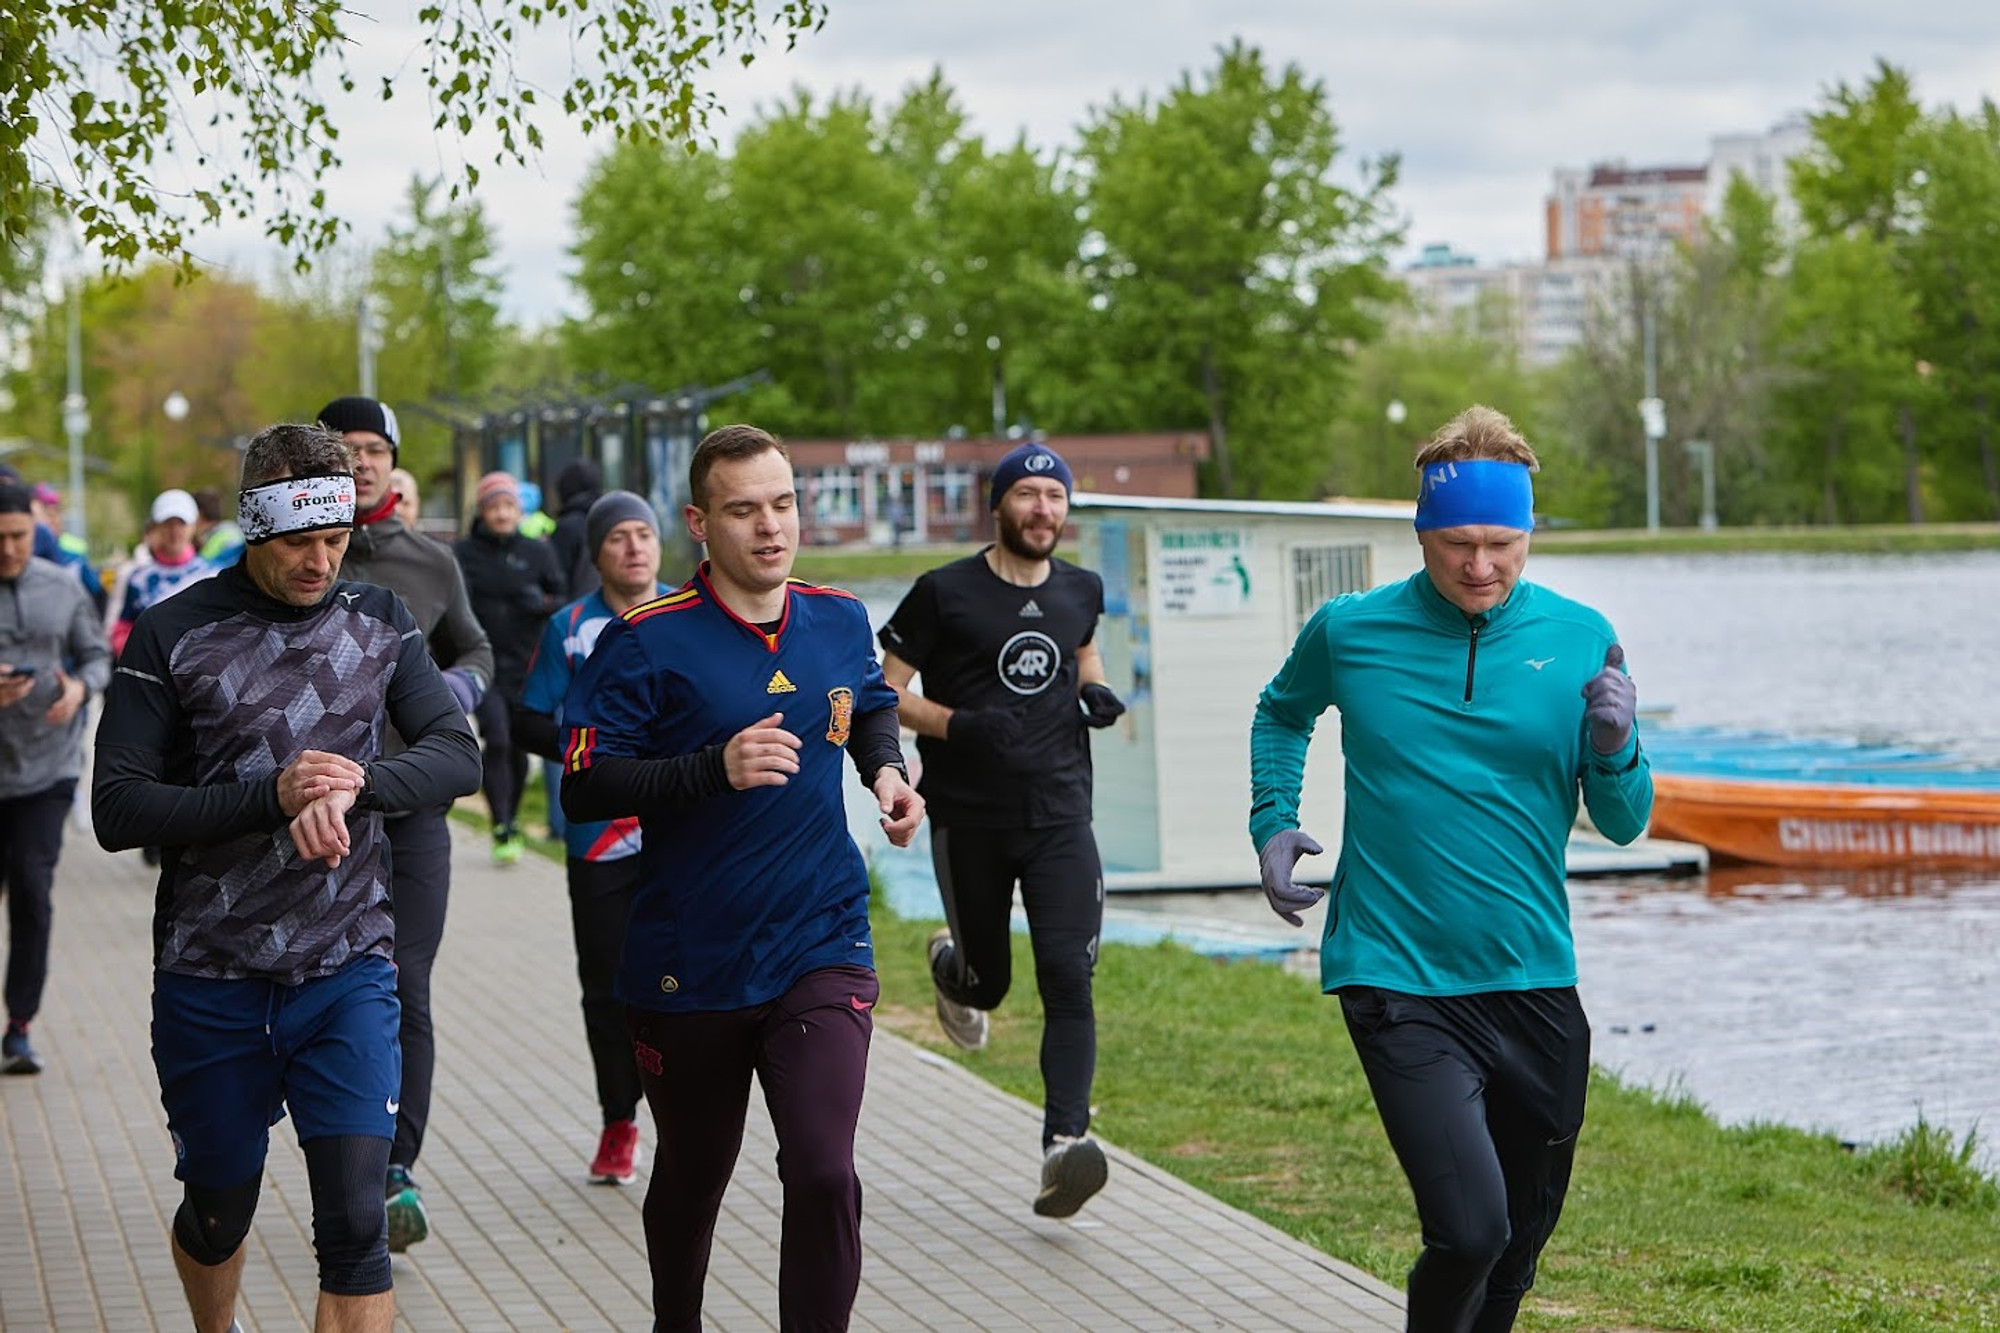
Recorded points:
(16, 672)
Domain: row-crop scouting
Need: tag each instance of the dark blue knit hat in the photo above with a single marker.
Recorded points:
(1032, 459)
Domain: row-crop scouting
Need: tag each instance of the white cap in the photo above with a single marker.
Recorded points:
(176, 503)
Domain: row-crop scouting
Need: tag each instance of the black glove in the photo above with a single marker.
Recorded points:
(1100, 706)
(996, 730)
(1611, 701)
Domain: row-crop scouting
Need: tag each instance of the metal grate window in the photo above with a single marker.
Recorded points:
(1323, 572)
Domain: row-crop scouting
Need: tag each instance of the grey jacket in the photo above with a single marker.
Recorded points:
(47, 622)
(426, 576)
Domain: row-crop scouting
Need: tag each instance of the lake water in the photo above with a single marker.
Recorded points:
(1845, 1002)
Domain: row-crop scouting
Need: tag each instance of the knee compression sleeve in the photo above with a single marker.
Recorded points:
(350, 1226)
(211, 1223)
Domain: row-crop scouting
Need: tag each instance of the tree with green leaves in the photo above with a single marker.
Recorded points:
(1849, 329)
(1421, 376)
(878, 264)
(992, 292)
(1233, 273)
(1953, 264)
(438, 296)
(96, 96)
(1715, 306)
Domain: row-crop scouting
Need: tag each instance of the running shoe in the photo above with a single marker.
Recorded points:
(408, 1222)
(967, 1027)
(617, 1160)
(507, 849)
(1073, 1169)
(17, 1053)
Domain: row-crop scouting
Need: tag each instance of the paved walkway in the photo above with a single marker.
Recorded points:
(520, 1241)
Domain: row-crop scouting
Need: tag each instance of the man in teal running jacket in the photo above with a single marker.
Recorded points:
(1473, 709)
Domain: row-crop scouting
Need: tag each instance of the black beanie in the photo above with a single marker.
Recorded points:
(611, 509)
(357, 413)
(14, 497)
(579, 476)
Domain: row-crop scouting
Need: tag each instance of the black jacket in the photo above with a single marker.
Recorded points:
(571, 543)
(514, 583)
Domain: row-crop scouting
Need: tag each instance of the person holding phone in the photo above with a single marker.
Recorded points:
(53, 657)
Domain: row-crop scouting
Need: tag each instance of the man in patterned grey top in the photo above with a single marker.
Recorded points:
(243, 735)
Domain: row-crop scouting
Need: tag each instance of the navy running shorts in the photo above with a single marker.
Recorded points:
(233, 1056)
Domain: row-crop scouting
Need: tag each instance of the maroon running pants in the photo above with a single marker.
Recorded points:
(809, 1050)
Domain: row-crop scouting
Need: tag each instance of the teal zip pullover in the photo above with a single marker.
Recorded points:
(1465, 747)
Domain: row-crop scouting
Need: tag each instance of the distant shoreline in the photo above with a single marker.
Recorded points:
(1868, 539)
(848, 564)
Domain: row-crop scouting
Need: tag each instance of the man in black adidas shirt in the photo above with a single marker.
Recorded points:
(243, 735)
(1011, 681)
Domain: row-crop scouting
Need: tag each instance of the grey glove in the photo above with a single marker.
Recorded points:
(1610, 702)
(465, 688)
(1276, 863)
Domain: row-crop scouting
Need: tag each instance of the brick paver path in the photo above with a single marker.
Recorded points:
(520, 1240)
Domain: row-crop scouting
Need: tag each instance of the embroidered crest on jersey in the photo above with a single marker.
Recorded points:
(1029, 661)
(840, 714)
(780, 685)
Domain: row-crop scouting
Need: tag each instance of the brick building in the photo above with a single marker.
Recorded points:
(892, 491)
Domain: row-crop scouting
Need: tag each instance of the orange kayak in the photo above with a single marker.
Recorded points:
(1829, 824)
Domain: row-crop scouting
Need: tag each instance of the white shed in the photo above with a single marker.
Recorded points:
(1202, 600)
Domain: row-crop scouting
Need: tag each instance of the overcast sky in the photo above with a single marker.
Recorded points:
(1483, 99)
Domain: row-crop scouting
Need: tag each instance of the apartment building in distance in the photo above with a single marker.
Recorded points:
(1597, 222)
(1545, 305)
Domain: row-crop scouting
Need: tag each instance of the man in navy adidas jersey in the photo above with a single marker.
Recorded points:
(243, 734)
(1012, 683)
(722, 715)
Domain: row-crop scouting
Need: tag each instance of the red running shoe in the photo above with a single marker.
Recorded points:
(617, 1160)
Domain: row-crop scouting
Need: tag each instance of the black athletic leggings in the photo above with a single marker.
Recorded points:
(600, 898)
(419, 889)
(505, 764)
(1482, 1097)
(1062, 888)
(31, 835)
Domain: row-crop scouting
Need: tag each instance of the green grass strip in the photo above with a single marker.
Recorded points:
(1238, 1078)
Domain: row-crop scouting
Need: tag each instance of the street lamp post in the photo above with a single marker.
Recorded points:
(76, 420)
(368, 340)
(1704, 452)
(1653, 416)
(999, 388)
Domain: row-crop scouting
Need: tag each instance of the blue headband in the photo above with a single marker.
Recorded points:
(1477, 493)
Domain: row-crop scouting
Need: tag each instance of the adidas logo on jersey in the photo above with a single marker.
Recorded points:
(779, 685)
(1031, 611)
